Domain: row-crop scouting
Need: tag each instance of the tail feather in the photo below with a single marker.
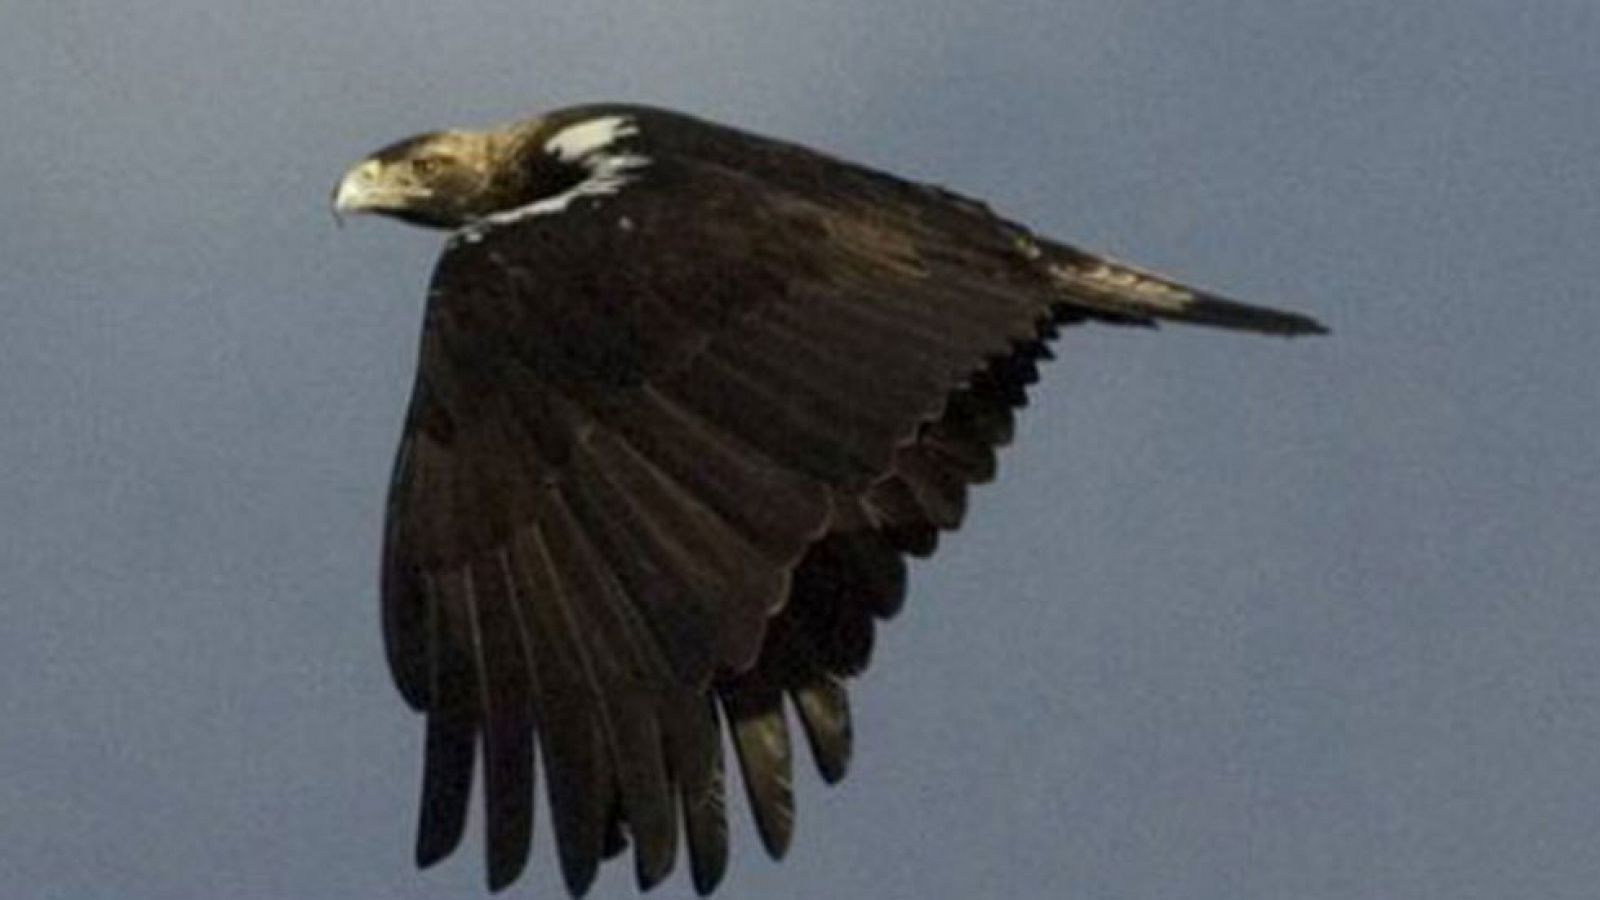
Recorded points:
(1127, 294)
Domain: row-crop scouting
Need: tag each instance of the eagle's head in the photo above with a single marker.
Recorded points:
(443, 179)
(452, 179)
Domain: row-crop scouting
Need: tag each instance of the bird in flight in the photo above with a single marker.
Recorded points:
(687, 399)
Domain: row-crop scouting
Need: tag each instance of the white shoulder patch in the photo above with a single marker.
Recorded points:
(588, 145)
(575, 143)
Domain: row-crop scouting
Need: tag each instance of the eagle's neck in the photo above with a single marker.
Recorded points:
(543, 166)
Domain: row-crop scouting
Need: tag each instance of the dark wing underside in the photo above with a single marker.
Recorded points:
(665, 456)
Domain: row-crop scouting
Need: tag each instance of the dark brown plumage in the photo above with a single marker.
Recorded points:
(686, 400)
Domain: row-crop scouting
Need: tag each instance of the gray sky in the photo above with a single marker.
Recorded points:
(1243, 618)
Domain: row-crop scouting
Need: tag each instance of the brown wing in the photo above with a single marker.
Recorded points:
(665, 454)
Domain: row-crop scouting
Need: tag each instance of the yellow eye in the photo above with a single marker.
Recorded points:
(426, 166)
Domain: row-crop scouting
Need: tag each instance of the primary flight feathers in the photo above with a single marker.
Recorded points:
(687, 398)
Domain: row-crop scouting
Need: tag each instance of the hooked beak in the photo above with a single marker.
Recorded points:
(360, 190)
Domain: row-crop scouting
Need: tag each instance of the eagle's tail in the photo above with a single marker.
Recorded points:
(1104, 288)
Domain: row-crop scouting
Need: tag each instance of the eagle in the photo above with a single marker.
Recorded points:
(687, 400)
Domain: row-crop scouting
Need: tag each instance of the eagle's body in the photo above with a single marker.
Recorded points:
(686, 399)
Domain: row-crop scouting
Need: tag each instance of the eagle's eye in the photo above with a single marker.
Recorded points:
(427, 166)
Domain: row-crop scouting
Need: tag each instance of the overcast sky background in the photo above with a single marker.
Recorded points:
(1243, 618)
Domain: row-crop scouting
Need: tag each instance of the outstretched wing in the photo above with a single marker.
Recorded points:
(645, 422)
